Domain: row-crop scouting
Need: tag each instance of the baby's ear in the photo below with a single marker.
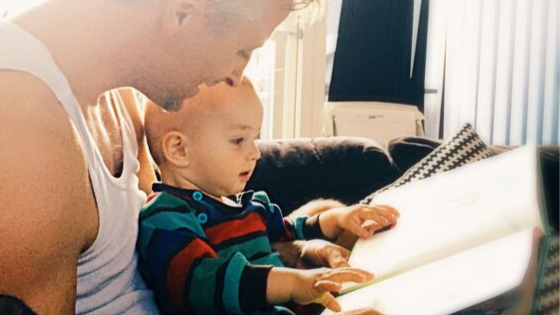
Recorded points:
(174, 147)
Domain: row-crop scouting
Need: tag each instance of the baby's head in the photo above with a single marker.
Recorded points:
(209, 144)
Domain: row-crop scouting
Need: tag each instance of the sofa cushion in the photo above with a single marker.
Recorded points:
(407, 151)
(294, 172)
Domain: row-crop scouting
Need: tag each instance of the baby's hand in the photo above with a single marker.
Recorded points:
(360, 220)
(316, 285)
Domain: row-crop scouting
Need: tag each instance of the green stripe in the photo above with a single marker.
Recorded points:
(163, 200)
(173, 221)
(248, 248)
(298, 227)
(231, 284)
(261, 196)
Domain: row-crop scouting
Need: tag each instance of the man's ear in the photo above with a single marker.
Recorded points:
(180, 12)
(174, 147)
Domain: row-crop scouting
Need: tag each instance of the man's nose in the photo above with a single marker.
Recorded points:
(236, 76)
(233, 80)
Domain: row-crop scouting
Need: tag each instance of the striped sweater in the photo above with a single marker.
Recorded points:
(204, 257)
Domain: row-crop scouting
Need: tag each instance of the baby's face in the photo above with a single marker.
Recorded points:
(223, 152)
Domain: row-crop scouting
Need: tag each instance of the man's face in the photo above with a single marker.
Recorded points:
(202, 55)
(222, 148)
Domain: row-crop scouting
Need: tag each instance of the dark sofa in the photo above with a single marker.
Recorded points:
(294, 172)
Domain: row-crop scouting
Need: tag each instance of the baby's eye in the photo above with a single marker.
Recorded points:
(238, 141)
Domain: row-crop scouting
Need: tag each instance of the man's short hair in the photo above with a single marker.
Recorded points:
(223, 13)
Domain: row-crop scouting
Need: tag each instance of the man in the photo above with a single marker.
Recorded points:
(71, 161)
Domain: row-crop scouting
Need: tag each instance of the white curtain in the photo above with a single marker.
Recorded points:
(494, 64)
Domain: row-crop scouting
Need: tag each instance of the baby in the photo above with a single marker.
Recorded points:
(204, 253)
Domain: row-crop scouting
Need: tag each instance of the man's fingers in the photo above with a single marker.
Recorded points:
(328, 301)
(338, 261)
(338, 257)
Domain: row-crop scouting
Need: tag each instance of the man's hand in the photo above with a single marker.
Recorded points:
(311, 286)
(360, 220)
(312, 254)
(319, 253)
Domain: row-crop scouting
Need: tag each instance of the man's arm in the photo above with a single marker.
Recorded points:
(146, 173)
(46, 203)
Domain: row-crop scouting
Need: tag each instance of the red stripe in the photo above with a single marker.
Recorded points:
(180, 266)
(288, 231)
(231, 229)
(152, 196)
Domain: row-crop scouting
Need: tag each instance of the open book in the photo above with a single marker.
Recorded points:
(464, 237)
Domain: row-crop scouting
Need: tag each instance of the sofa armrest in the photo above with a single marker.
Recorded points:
(294, 172)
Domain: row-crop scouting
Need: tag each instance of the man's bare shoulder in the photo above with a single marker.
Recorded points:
(35, 127)
(47, 202)
(40, 146)
(24, 95)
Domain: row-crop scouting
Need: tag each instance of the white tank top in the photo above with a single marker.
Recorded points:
(108, 278)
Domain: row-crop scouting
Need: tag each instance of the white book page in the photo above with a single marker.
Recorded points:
(452, 212)
(451, 284)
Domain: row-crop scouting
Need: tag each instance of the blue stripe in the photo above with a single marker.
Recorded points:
(164, 246)
(144, 237)
(163, 200)
(231, 283)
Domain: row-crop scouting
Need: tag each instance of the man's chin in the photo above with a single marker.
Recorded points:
(192, 93)
(172, 103)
